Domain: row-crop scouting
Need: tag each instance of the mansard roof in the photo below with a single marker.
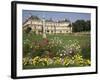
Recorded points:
(49, 20)
(65, 20)
(34, 18)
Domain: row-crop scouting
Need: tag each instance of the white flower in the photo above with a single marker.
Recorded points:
(61, 54)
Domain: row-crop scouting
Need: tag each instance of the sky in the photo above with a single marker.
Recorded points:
(56, 15)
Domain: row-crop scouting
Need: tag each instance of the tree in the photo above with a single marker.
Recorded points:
(81, 25)
(28, 30)
(88, 25)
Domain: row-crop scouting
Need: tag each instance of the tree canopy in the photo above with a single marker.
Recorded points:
(81, 25)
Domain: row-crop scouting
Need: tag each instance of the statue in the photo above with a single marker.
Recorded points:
(43, 29)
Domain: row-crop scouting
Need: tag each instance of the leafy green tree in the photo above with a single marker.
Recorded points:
(88, 25)
(81, 25)
(28, 30)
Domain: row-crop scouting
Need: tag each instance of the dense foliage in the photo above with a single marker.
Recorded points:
(81, 25)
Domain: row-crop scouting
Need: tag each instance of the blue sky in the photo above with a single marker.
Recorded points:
(56, 15)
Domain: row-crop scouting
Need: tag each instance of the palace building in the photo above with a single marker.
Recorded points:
(48, 26)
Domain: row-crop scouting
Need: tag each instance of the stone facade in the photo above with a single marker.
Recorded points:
(51, 27)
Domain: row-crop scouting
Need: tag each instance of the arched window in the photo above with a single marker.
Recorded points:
(66, 31)
(51, 31)
(48, 31)
(60, 31)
